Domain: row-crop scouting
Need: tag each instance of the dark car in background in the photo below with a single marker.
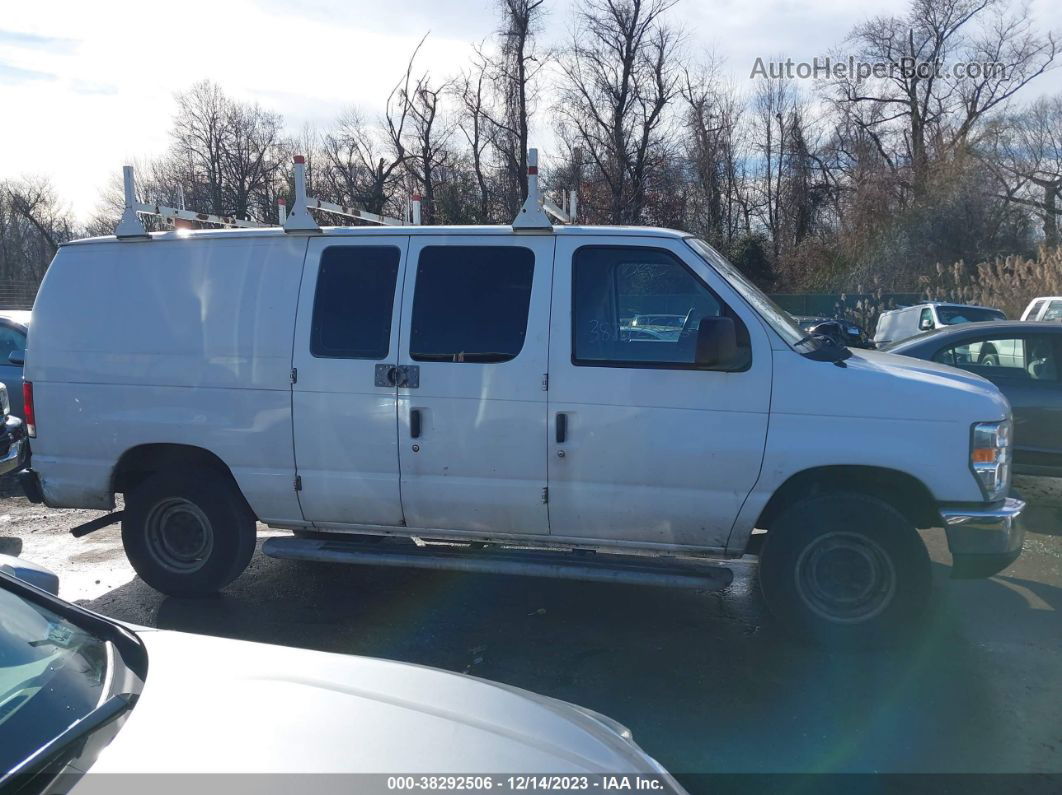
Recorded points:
(1022, 358)
(843, 331)
(14, 327)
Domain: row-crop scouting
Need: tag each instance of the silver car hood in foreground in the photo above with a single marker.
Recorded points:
(211, 705)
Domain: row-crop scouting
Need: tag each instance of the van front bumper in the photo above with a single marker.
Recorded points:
(984, 541)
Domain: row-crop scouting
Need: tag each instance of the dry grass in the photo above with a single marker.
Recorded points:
(1008, 284)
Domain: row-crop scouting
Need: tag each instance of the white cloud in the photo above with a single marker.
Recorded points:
(108, 98)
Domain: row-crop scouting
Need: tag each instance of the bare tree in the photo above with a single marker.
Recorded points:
(201, 135)
(1025, 154)
(249, 160)
(33, 223)
(773, 105)
(712, 131)
(927, 104)
(620, 73)
(417, 132)
(513, 75)
(360, 169)
(474, 124)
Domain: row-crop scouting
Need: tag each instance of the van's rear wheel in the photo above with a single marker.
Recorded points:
(187, 534)
(845, 569)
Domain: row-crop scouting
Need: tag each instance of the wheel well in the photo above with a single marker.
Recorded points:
(138, 463)
(903, 492)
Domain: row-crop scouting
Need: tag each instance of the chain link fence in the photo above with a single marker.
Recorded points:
(15, 294)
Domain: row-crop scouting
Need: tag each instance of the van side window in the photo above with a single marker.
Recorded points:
(925, 319)
(353, 302)
(639, 307)
(1054, 311)
(470, 304)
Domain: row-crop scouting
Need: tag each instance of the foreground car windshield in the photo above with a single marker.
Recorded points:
(779, 319)
(52, 674)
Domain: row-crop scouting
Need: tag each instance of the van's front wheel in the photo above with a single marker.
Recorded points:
(187, 534)
(845, 569)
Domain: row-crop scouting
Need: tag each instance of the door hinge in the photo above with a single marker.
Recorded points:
(545, 495)
(545, 382)
(298, 483)
(294, 375)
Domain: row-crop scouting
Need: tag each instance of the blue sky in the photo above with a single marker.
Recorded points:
(90, 85)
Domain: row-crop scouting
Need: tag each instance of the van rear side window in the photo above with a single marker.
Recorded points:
(471, 303)
(353, 302)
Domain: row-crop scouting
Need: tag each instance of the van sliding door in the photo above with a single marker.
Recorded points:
(344, 393)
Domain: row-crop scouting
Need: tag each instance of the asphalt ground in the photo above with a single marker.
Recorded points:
(708, 682)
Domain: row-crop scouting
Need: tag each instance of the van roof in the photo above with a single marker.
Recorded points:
(387, 231)
(941, 303)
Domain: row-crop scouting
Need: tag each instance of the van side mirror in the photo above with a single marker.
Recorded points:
(925, 324)
(716, 343)
(17, 357)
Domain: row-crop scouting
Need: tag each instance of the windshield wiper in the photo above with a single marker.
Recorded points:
(105, 713)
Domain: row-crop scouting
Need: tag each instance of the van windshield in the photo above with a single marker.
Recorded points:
(953, 315)
(780, 320)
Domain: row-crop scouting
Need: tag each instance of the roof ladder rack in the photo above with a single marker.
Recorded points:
(132, 227)
(300, 220)
(533, 214)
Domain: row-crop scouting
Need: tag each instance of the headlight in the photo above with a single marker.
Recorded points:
(990, 458)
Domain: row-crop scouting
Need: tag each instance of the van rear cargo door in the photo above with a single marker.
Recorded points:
(344, 391)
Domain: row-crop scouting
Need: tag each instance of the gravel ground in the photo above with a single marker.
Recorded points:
(707, 682)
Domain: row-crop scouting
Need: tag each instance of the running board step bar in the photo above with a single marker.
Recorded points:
(564, 564)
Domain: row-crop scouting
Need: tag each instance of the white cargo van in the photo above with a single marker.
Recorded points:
(897, 325)
(480, 385)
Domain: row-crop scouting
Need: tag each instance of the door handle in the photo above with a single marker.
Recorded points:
(562, 428)
(414, 423)
(406, 376)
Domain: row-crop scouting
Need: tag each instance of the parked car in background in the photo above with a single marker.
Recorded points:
(899, 324)
(12, 437)
(14, 327)
(844, 331)
(80, 692)
(1023, 359)
(1046, 308)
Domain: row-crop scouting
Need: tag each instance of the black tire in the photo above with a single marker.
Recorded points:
(989, 356)
(188, 534)
(845, 569)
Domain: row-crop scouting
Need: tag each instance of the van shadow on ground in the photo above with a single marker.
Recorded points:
(707, 682)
